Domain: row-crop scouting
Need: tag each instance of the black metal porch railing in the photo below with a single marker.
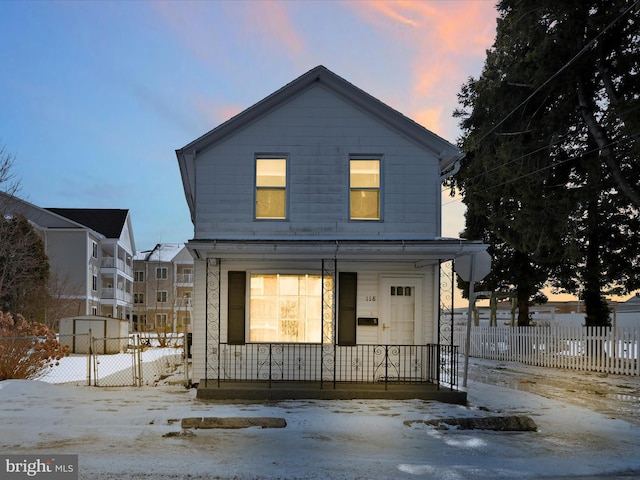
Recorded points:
(332, 364)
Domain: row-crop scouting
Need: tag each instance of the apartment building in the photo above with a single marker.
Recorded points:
(90, 253)
(163, 287)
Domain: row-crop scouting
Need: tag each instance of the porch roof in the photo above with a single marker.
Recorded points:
(413, 251)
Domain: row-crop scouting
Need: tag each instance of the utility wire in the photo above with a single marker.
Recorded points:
(547, 167)
(562, 69)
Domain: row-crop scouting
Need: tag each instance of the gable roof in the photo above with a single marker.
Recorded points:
(107, 221)
(162, 252)
(448, 153)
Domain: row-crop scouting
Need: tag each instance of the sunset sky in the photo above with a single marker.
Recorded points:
(95, 97)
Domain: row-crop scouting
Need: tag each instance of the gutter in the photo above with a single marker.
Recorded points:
(455, 169)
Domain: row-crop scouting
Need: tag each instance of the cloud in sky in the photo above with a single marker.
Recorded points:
(447, 41)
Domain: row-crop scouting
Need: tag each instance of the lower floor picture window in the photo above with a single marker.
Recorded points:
(286, 308)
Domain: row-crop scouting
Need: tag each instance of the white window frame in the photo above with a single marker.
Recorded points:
(162, 273)
(353, 159)
(162, 296)
(259, 186)
(138, 276)
(309, 323)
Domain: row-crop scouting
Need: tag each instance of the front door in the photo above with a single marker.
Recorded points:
(402, 314)
(401, 310)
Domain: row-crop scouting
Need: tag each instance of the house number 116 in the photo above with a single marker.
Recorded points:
(370, 298)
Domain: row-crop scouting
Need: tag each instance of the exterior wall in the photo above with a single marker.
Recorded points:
(198, 353)
(69, 253)
(370, 300)
(317, 131)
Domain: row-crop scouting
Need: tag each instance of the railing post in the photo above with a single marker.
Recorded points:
(270, 362)
(386, 367)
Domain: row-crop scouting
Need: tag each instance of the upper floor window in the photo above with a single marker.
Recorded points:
(161, 273)
(94, 249)
(139, 276)
(271, 188)
(364, 189)
(94, 283)
(161, 296)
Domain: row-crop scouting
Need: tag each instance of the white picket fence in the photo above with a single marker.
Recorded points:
(597, 349)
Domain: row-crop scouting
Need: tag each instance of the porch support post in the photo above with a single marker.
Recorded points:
(328, 354)
(212, 325)
(445, 332)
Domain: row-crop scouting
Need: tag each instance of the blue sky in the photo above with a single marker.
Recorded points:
(96, 96)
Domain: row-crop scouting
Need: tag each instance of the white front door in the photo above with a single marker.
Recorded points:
(401, 310)
(402, 314)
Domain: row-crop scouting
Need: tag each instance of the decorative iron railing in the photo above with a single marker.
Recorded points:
(304, 362)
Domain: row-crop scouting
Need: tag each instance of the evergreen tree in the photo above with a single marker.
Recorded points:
(551, 127)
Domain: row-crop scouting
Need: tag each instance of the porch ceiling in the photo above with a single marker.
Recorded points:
(412, 251)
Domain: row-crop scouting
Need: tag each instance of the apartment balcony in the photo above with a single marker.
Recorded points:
(118, 264)
(184, 304)
(184, 278)
(116, 294)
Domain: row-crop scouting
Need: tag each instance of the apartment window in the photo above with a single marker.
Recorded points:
(94, 283)
(94, 310)
(94, 249)
(271, 188)
(138, 298)
(364, 186)
(161, 273)
(138, 276)
(161, 296)
(285, 308)
(161, 319)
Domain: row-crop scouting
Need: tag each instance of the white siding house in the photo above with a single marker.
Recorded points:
(317, 240)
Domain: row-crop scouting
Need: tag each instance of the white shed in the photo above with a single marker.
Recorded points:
(110, 335)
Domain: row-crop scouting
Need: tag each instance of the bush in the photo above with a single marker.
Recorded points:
(27, 349)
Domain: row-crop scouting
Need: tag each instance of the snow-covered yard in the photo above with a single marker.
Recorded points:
(122, 433)
(121, 369)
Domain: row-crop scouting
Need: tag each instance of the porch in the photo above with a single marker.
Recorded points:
(268, 371)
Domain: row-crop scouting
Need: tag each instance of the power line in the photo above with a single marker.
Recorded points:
(547, 167)
(562, 69)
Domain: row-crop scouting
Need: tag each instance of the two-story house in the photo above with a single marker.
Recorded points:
(317, 239)
(90, 254)
(163, 286)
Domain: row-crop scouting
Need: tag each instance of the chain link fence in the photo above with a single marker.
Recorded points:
(134, 360)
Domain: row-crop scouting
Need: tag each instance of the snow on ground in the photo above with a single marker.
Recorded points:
(118, 433)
